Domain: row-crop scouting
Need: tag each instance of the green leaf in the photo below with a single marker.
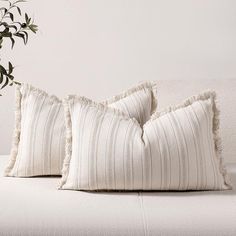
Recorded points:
(26, 36)
(1, 78)
(20, 35)
(33, 28)
(26, 18)
(6, 34)
(3, 70)
(19, 1)
(12, 42)
(11, 77)
(6, 83)
(19, 10)
(10, 68)
(11, 16)
(18, 83)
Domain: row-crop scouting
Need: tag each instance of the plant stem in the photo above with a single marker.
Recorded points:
(6, 12)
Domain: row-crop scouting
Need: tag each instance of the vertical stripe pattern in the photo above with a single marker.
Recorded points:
(39, 136)
(177, 149)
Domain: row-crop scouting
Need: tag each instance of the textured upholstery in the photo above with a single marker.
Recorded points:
(174, 91)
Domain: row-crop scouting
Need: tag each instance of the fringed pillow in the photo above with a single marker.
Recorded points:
(177, 149)
(39, 136)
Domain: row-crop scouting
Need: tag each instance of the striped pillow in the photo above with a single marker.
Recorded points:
(177, 149)
(39, 137)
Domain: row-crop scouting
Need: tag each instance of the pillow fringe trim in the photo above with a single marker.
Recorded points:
(68, 145)
(27, 87)
(16, 132)
(152, 86)
(218, 142)
(216, 127)
(99, 106)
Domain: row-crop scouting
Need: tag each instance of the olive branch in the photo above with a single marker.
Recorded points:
(12, 29)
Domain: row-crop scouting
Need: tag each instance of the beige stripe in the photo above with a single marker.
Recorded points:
(188, 115)
(185, 150)
(201, 157)
(126, 157)
(181, 162)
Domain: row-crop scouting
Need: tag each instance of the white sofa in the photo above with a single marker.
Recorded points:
(34, 206)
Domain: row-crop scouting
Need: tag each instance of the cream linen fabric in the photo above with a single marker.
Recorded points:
(177, 149)
(39, 136)
(34, 207)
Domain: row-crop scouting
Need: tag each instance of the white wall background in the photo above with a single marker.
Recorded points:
(99, 47)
